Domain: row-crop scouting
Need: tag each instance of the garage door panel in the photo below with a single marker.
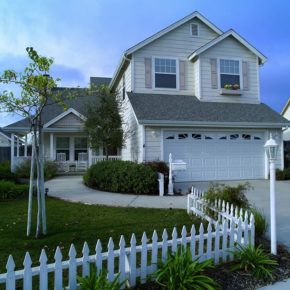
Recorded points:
(217, 159)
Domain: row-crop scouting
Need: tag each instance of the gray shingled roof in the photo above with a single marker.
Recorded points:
(181, 109)
(79, 103)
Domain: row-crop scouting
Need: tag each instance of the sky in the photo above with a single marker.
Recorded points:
(87, 37)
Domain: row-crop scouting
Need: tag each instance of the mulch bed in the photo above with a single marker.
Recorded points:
(241, 280)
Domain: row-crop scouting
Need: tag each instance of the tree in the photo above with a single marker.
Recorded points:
(36, 93)
(104, 124)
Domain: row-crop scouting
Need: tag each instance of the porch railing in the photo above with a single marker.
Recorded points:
(96, 159)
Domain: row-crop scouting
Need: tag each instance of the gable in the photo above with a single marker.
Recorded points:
(68, 121)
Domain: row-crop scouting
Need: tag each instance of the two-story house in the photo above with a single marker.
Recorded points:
(191, 90)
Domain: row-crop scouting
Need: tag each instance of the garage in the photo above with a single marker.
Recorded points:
(216, 155)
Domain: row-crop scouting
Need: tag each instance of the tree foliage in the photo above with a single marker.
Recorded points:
(104, 122)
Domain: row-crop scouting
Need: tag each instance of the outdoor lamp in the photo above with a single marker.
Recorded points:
(271, 148)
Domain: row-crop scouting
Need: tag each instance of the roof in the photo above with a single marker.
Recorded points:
(78, 103)
(96, 81)
(220, 38)
(126, 56)
(162, 109)
(5, 134)
(285, 107)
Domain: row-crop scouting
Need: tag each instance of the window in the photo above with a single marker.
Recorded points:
(246, 136)
(229, 72)
(165, 73)
(182, 136)
(62, 146)
(207, 137)
(170, 137)
(196, 136)
(194, 29)
(234, 136)
(81, 146)
(223, 137)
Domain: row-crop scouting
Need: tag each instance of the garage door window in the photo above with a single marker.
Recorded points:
(182, 136)
(224, 137)
(234, 136)
(196, 136)
(246, 137)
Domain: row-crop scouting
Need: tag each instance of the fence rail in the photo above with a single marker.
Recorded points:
(135, 262)
(96, 159)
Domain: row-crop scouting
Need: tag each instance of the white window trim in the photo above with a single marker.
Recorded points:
(219, 70)
(177, 72)
(190, 30)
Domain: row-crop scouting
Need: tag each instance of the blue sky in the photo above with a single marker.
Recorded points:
(87, 37)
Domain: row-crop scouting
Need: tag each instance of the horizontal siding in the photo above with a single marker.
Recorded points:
(177, 44)
(153, 143)
(69, 121)
(229, 48)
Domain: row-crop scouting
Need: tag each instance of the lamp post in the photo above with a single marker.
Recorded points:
(271, 148)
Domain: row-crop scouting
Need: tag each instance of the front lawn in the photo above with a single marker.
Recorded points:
(75, 223)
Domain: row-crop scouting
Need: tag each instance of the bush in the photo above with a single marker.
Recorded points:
(232, 194)
(180, 272)
(122, 176)
(261, 224)
(287, 173)
(23, 170)
(5, 172)
(254, 260)
(94, 281)
(160, 166)
(10, 190)
(280, 175)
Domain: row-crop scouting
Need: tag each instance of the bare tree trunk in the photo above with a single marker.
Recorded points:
(41, 171)
(39, 214)
(31, 186)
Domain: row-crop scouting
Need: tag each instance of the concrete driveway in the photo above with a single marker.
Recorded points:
(260, 197)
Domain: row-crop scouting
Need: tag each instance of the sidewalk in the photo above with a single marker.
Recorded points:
(284, 285)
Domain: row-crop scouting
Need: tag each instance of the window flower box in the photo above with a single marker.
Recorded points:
(229, 92)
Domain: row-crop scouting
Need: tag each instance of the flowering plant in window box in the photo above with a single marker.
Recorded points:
(232, 87)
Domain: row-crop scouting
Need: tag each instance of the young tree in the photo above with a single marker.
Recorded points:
(36, 93)
(104, 123)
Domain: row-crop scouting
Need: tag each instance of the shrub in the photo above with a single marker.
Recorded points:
(160, 166)
(122, 176)
(280, 175)
(232, 194)
(23, 170)
(287, 173)
(5, 172)
(254, 260)
(10, 190)
(261, 224)
(180, 272)
(96, 282)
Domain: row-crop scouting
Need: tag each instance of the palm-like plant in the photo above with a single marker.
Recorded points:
(254, 260)
(181, 272)
(97, 282)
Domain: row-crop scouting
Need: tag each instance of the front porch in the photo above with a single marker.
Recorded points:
(70, 152)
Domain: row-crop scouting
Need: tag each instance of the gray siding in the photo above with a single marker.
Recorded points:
(153, 140)
(232, 49)
(69, 121)
(176, 44)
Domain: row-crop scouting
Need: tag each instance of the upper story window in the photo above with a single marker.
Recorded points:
(194, 30)
(229, 73)
(165, 73)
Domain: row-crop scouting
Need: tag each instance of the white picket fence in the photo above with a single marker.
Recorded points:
(223, 211)
(135, 261)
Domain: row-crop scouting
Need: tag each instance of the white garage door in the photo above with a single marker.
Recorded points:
(217, 155)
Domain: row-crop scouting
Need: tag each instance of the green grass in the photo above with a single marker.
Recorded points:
(75, 223)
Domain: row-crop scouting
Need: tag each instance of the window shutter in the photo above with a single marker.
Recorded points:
(245, 75)
(182, 75)
(148, 72)
(214, 79)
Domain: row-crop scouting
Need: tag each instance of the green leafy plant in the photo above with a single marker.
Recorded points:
(180, 272)
(50, 169)
(228, 86)
(261, 224)
(97, 282)
(254, 260)
(122, 176)
(10, 190)
(232, 194)
(160, 166)
(280, 174)
(5, 172)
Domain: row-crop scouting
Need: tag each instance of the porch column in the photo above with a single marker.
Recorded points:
(90, 154)
(17, 146)
(25, 147)
(51, 146)
(12, 153)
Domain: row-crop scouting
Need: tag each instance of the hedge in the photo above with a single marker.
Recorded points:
(122, 176)
(10, 190)
(5, 172)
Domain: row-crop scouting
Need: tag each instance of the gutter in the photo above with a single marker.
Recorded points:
(211, 124)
